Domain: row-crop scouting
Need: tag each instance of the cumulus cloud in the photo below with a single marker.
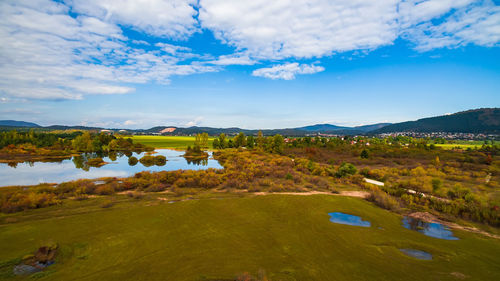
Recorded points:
(234, 59)
(173, 18)
(48, 54)
(301, 28)
(72, 48)
(317, 28)
(467, 24)
(287, 71)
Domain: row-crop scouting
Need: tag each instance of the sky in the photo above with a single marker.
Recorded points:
(255, 64)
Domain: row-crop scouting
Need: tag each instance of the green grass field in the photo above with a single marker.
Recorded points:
(454, 145)
(289, 237)
(176, 142)
(464, 144)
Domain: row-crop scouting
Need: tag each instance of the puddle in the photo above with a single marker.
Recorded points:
(432, 229)
(342, 218)
(421, 255)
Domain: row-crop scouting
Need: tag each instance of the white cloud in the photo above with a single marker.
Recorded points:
(130, 122)
(470, 24)
(47, 54)
(316, 28)
(287, 71)
(196, 121)
(301, 28)
(234, 59)
(173, 18)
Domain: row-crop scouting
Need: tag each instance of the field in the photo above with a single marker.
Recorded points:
(175, 142)
(464, 144)
(289, 237)
(454, 145)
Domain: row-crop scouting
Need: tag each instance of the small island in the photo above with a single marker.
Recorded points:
(195, 153)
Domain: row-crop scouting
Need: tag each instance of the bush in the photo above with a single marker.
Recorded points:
(160, 160)
(346, 169)
(132, 161)
(383, 199)
(95, 162)
(436, 184)
(147, 160)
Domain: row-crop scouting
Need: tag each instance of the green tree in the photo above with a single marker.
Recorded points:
(346, 169)
(215, 143)
(260, 140)
(278, 144)
(240, 140)
(222, 141)
(250, 142)
(364, 154)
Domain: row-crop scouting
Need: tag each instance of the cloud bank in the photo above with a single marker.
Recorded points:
(70, 49)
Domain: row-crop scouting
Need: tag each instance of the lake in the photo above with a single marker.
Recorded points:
(72, 169)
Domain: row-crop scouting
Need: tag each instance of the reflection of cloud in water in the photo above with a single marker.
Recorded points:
(39, 172)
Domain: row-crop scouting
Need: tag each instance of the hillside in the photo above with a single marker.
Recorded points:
(14, 123)
(484, 120)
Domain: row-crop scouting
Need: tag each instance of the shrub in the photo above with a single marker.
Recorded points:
(147, 160)
(132, 161)
(160, 160)
(346, 169)
(436, 184)
(95, 162)
(383, 199)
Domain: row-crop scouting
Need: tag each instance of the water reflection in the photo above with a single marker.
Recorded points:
(421, 255)
(202, 162)
(121, 164)
(343, 218)
(435, 230)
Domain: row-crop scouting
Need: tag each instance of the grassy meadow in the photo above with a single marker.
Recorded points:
(174, 142)
(289, 237)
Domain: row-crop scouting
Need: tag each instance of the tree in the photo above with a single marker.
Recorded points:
(278, 144)
(240, 140)
(364, 154)
(250, 142)
(260, 139)
(215, 143)
(222, 141)
(346, 169)
(204, 139)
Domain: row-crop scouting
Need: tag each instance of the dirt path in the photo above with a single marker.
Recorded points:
(427, 217)
(354, 193)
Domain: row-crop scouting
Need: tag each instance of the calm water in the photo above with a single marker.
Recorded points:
(342, 218)
(417, 254)
(435, 230)
(72, 169)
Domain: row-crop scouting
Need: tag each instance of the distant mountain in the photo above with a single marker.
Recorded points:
(483, 120)
(301, 131)
(63, 127)
(368, 128)
(321, 128)
(14, 123)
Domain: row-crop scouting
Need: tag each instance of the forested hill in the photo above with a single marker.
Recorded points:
(484, 120)
(14, 123)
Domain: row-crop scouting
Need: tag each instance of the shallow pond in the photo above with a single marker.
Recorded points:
(343, 218)
(435, 230)
(75, 168)
(421, 255)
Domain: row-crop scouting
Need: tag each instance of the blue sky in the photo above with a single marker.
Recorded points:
(249, 64)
